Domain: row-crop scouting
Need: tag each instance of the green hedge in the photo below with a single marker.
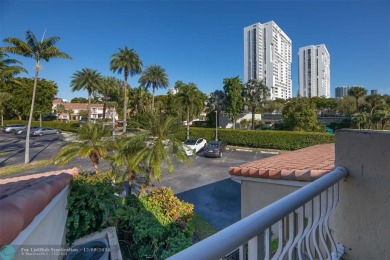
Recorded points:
(63, 126)
(272, 139)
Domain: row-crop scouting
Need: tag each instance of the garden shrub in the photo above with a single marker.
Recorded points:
(271, 139)
(91, 205)
(157, 225)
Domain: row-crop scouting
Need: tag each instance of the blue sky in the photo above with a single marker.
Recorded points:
(202, 41)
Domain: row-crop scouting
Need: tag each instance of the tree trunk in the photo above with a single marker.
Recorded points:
(253, 117)
(124, 107)
(89, 106)
(153, 99)
(104, 110)
(27, 147)
(188, 122)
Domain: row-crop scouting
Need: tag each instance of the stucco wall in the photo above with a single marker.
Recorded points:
(256, 195)
(362, 218)
(46, 232)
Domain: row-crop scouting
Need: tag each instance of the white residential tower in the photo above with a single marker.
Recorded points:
(267, 56)
(314, 71)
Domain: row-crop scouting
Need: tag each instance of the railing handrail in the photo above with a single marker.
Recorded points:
(216, 246)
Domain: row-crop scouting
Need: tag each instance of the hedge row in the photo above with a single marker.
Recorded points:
(272, 139)
(71, 127)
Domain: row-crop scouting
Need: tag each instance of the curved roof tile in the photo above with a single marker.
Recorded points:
(22, 198)
(307, 164)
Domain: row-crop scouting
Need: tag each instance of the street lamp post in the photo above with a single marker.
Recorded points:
(40, 118)
(216, 125)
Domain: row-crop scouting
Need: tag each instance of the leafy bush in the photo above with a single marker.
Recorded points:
(157, 225)
(284, 140)
(92, 204)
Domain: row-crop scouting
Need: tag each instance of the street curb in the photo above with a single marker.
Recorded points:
(265, 152)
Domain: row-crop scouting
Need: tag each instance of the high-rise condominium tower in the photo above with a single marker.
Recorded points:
(267, 56)
(314, 71)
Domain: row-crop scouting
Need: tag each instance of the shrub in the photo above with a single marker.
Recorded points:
(92, 204)
(157, 225)
(272, 139)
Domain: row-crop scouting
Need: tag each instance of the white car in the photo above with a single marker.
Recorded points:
(192, 146)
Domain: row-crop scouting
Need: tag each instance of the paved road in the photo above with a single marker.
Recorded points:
(206, 183)
(208, 186)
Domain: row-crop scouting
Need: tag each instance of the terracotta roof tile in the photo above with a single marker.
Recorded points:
(306, 164)
(22, 198)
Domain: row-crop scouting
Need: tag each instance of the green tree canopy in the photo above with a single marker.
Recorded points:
(255, 94)
(92, 141)
(190, 99)
(234, 101)
(357, 92)
(155, 77)
(18, 106)
(88, 79)
(79, 100)
(299, 114)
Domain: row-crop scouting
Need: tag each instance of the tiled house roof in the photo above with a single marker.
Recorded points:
(23, 198)
(305, 164)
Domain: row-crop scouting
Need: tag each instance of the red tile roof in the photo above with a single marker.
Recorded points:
(22, 198)
(305, 164)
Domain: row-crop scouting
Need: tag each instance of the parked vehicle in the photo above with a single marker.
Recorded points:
(192, 146)
(13, 128)
(46, 131)
(24, 130)
(214, 149)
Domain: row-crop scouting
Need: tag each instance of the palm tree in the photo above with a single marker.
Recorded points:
(154, 76)
(255, 94)
(8, 68)
(357, 92)
(92, 142)
(108, 86)
(32, 48)
(140, 100)
(88, 79)
(191, 99)
(128, 62)
(161, 146)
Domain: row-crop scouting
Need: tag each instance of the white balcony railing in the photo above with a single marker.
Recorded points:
(302, 218)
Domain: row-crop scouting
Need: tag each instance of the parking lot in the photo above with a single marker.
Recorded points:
(41, 147)
(206, 183)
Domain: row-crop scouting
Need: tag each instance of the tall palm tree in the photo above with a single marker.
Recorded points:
(255, 94)
(38, 50)
(191, 99)
(155, 77)
(109, 85)
(128, 62)
(88, 79)
(357, 92)
(92, 142)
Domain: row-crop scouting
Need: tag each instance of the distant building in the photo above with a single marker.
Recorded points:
(342, 91)
(314, 71)
(72, 110)
(267, 56)
(374, 91)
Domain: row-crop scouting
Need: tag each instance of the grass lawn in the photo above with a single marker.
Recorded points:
(202, 228)
(22, 167)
